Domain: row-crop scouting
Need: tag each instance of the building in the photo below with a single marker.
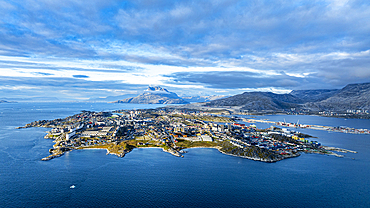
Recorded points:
(206, 138)
(70, 135)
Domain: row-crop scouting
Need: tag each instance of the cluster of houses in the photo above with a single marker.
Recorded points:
(359, 111)
(165, 126)
(346, 114)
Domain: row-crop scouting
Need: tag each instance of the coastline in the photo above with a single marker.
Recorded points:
(260, 159)
(178, 153)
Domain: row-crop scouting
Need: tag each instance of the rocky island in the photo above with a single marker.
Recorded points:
(174, 130)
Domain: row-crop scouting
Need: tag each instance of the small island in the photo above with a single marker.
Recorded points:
(174, 130)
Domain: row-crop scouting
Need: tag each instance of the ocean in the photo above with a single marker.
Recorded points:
(153, 178)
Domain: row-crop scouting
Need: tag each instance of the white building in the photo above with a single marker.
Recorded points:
(206, 138)
(70, 135)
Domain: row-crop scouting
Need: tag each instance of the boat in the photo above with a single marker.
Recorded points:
(72, 187)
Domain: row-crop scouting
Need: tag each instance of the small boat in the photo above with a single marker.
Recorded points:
(72, 187)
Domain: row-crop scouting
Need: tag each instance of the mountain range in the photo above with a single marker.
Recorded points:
(29, 99)
(110, 98)
(159, 95)
(351, 97)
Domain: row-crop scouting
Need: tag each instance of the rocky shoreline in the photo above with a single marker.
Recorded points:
(338, 149)
(261, 159)
(178, 153)
(50, 157)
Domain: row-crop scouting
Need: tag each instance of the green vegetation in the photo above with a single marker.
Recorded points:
(251, 151)
(165, 147)
(187, 144)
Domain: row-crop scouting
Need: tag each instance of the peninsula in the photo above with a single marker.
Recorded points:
(174, 130)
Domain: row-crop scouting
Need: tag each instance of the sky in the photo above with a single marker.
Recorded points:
(78, 50)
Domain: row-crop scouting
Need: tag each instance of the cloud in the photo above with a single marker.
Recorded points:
(80, 76)
(240, 80)
(42, 73)
(60, 87)
(206, 45)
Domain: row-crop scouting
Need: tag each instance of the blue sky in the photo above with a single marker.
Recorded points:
(82, 49)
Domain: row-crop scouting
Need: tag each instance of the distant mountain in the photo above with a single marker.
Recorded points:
(30, 99)
(192, 99)
(112, 98)
(6, 101)
(351, 97)
(155, 95)
(313, 95)
(258, 101)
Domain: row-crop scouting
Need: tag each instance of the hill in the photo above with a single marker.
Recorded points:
(111, 98)
(351, 97)
(258, 101)
(313, 95)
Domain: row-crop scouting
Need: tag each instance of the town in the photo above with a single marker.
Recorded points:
(174, 130)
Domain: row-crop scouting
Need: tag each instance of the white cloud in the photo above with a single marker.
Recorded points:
(6, 87)
(266, 89)
(181, 12)
(144, 42)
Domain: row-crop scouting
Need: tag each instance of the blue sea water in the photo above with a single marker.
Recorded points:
(152, 178)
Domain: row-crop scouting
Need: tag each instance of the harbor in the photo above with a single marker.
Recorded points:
(342, 129)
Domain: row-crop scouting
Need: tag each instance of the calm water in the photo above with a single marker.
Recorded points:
(152, 178)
